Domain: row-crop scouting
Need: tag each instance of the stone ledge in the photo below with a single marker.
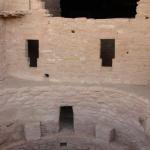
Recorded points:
(13, 14)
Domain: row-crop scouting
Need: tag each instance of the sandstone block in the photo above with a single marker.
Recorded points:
(106, 133)
(32, 131)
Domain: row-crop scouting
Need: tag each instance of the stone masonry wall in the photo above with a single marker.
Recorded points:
(14, 5)
(143, 9)
(93, 107)
(70, 48)
(2, 52)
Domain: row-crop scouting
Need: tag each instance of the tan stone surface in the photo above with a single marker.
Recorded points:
(102, 98)
(32, 131)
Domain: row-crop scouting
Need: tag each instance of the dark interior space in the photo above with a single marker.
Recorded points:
(53, 7)
(98, 9)
(33, 52)
(47, 4)
(66, 119)
(107, 52)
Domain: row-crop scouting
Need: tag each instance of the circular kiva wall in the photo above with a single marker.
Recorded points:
(101, 117)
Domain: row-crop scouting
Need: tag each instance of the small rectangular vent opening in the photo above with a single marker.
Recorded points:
(33, 52)
(66, 118)
(107, 52)
(64, 144)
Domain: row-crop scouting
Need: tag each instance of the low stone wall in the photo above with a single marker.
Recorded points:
(93, 107)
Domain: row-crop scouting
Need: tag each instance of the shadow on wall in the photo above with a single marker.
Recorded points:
(53, 6)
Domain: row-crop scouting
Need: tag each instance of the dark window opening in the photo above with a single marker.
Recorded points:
(98, 9)
(33, 52)
(66, 120)
(107, 52)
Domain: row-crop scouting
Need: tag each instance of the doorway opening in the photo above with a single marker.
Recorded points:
(66, 118)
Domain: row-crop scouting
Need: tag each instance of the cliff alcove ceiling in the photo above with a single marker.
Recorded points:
(98, 9)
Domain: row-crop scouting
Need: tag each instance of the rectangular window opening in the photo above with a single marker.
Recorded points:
(107, 52)
(66, 118)
(33, 52)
